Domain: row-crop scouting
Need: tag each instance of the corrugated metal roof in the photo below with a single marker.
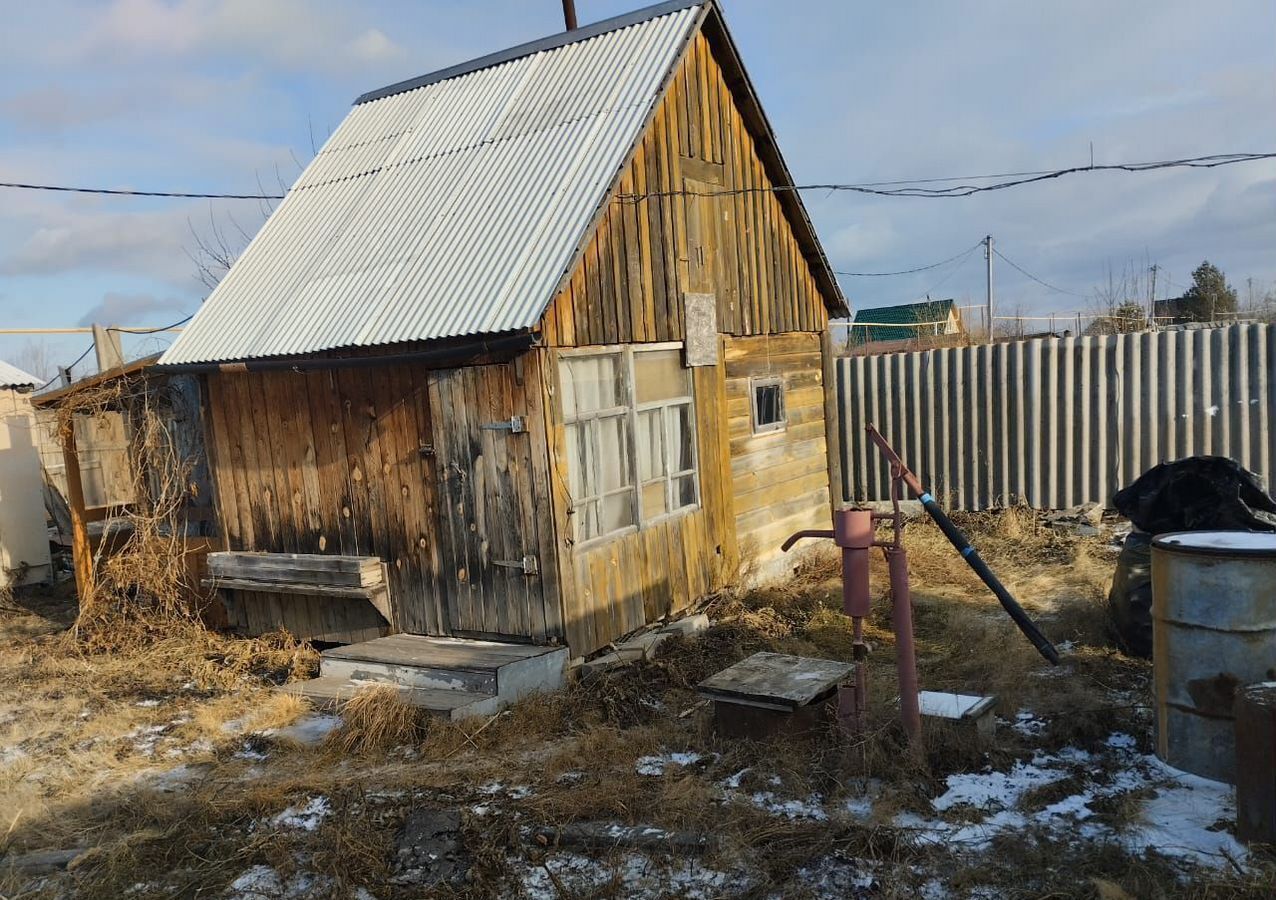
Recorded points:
(13, 377)
(453, 208)
(901, 323)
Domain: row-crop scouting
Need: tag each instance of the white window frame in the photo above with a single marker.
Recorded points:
(767, 381)
(627, 352)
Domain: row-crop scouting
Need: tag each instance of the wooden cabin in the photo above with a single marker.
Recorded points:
(537, 332)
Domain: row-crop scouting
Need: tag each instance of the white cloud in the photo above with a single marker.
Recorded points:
(93, 238)
(133, 309)
(293, 34)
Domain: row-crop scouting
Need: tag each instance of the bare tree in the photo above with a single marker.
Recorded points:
(1121, 304)
(216, 246)
(35, 359)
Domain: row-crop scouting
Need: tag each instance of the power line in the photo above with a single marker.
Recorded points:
(117, 192)
(171, 327)
(78, 360)
(897, 188)
(966, 190)
(955, 269)
(909, 271)
(1024, 271)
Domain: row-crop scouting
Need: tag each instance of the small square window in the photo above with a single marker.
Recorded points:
(768, 405)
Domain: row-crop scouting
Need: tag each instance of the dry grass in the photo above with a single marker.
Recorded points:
(376, 720)
(573, 754)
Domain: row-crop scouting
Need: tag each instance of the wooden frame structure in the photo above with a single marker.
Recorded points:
(200, 519)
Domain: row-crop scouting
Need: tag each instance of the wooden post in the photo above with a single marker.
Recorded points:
(833, 413)
(81, 553)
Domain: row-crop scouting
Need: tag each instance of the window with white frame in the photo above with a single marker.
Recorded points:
(630, 429)
(768, 404)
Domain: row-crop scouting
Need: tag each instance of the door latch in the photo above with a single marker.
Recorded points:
(514, 425)
(529, 564)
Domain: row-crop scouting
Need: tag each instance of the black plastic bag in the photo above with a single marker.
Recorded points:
(1130, 600)
(1197, 493)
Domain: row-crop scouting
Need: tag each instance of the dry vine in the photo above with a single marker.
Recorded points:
(142, 576)
(145, 598)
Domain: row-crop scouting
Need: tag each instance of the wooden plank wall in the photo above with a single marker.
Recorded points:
(629, 285)
(330, 462)
(780, 479)
(392, 462)
(616, 586)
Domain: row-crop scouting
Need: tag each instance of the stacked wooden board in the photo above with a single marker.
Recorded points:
(329, 581)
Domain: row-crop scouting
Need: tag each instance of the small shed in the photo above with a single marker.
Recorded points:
(24, 533)
(906, 326)
(537, 331)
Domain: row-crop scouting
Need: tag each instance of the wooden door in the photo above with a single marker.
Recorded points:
(489, 528)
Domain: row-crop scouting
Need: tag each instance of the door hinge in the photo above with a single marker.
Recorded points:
(529, 564)
(514, 425)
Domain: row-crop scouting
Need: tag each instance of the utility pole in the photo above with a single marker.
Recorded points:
(569, 14)
(107, 344)
(988, 256)
(1152, 295)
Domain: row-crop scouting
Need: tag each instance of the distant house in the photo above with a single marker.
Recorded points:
(1171, 311)
(909, 326)
(504, 336)
(24, 539)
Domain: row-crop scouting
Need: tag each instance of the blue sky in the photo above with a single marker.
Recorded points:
(224, 96)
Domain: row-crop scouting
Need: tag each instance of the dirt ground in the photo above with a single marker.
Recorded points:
(166, 766)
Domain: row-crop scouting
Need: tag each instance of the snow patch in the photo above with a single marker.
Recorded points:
(262, 882)
(635, 875)
(811, 808)
(308, 731)
(306, 817)
(656, 765)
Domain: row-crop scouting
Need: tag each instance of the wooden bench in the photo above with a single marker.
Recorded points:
(305, 574)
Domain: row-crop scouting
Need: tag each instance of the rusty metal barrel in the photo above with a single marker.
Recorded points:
(1213, 630)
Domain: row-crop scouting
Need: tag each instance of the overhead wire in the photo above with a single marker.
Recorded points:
(78, 360)
(967, 190)
(895, 188)
(1039, 281)
(125, 330)
(910, 271)
(121, 192)
(965, 257)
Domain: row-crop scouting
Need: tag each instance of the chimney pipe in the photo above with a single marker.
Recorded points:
(569, 14)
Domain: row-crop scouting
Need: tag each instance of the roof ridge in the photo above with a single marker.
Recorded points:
(550, 42)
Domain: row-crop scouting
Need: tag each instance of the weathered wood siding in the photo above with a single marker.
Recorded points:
(780, 479)
(494, 506)
(349, 461)
(647, 253)
(614, 586)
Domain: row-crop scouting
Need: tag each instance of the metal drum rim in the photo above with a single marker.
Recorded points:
(1161, 542)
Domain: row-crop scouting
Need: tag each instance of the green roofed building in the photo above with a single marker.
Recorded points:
(908, 324)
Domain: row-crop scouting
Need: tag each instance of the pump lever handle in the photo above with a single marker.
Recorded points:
(808, 533)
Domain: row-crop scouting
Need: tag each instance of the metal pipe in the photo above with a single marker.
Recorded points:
(439, 356)
(958, 539)
(905, 647)
(569, 14)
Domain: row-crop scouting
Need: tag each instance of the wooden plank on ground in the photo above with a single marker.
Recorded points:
(776, 680)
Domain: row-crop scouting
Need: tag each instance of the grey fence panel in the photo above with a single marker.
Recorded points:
(1059, 421)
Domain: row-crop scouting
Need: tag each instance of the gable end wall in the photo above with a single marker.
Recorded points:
(645, 254)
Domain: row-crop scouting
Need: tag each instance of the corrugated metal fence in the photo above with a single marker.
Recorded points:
(1059, 421)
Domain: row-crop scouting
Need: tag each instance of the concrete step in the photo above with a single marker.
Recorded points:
(329, 692)
(506, 671)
